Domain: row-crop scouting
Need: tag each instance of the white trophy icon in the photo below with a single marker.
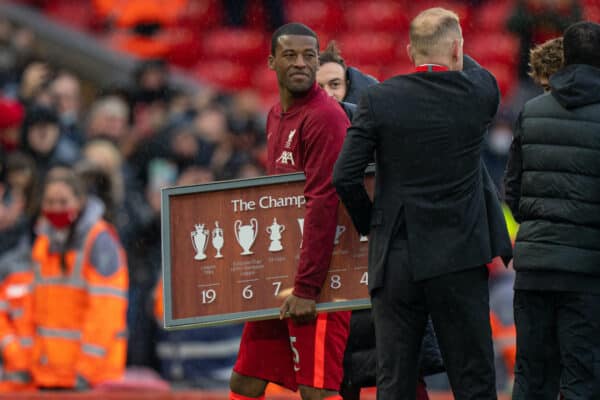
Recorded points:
(217, 239)
(275, 230)
(301, 223)
(338, 232)
(199, 241)
(246, 234)
(364, 238)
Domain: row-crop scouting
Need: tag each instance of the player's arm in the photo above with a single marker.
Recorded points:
(349, 171)
(322, 140)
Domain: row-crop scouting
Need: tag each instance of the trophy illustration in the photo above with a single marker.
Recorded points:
(338, 232)
(275, 231)
(217, 239)
(364, 238)
(301, 223)
(246, 234)
(199, 241)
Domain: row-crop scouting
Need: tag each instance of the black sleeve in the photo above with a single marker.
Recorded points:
(514, 170)
(348, 173)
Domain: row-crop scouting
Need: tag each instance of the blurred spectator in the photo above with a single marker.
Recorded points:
(19, 201)
(108, 119)
(236, 12)
(497, 147)
(79, 319)
(544, 60)
(536, 21)
(35, 83)
(40, 138)
(66, 95)
(339, 80)
(11, 117)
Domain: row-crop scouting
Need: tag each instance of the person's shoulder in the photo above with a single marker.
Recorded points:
(324, 109)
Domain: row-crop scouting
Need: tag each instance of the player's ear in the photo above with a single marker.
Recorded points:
(409, 53)
(271, 62)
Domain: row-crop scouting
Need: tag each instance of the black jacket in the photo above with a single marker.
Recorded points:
(426, 131)
(553, 183)
(357, 82)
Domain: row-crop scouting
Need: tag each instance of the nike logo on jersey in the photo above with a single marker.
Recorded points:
(285, 157)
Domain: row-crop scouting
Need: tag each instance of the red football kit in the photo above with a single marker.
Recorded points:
(307, 138)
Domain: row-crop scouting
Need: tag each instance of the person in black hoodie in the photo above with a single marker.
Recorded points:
(553, 189)
(346, 84)
(40, 138)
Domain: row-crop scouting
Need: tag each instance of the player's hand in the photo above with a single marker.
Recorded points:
(300, 310)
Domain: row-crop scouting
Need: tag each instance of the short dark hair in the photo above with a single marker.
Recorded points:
(332, 54)
(581, 42)
(293, 28)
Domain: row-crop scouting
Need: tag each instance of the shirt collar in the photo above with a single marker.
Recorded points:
(431, 68)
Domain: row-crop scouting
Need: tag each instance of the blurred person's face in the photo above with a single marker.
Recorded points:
(153, 79)
(66, 93)
(104, 158)
(331, 76)
(500, 139)
(60, 204)
(185, 145)
(42, 137)
(108, 125)
(194, 176)
(250, 171)
(9, 138)
(212, 125)
(20, 179)
(295, 62)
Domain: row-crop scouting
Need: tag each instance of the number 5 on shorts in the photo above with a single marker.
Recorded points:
(296, 354)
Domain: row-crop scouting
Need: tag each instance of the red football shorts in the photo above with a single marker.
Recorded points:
(289, 355)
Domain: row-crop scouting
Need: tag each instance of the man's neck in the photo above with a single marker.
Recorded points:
(287, 99)
(433, 61)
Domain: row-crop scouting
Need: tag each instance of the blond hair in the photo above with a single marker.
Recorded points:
(431, 28)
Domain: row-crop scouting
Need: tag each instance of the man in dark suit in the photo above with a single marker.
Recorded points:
(436, 219)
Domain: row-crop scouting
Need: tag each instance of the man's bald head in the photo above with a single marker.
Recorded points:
(434, 34)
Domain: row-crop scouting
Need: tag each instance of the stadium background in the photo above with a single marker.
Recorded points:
(218, 92)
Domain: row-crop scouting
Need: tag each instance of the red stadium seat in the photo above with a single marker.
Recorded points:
(76, 13)
(224, 74)
(401, 67)
(377, 16)
(591, 12)
(505, 75)
(368, 48)
(245, 45)
(492, 16)
(318, 14)
(498, 47)
(184, 47)
(264, 80)
(200, 15)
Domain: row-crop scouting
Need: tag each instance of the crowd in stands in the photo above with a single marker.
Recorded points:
(129, 142)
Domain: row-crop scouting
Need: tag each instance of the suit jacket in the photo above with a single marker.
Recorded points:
(426, 131)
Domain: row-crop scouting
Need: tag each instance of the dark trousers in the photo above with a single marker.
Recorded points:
(459, 307)
(558, 345)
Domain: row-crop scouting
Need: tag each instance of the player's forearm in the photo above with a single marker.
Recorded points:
(320, 222)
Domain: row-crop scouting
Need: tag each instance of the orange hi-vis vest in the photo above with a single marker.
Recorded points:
(16, 327)
(79, 315)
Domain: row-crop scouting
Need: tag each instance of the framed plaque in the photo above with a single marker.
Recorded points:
(230, 252)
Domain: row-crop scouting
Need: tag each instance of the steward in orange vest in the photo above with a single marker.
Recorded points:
(16, 327)
(80, 291)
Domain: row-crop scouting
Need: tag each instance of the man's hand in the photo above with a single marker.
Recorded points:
(300, 310)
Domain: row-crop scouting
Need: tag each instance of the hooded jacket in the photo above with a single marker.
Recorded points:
(553, 185)
(357, 82)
